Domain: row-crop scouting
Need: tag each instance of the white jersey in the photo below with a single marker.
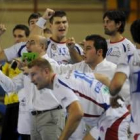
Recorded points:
(105, 67)
(117, 49)
(15, 51)
(93, 95)
(132, 69)
(113, 126)
(36, 98)
(60, 52)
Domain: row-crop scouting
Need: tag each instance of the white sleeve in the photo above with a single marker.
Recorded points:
(79, 49)
(64, 94)
(124, 69)
(10, 85)
(68, 97)
(62, 69)
(12, 52)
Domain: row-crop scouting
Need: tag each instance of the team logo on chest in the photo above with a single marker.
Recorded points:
(54, 47)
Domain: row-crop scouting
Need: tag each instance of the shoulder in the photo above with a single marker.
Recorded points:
(107, 63)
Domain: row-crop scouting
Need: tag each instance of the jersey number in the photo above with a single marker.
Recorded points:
(84, 77)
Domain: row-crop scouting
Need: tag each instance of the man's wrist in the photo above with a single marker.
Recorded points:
(113, 95)
(41, 22)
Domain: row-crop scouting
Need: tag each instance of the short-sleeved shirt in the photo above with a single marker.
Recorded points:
(15, 51)
(92, 94)
(117, 49)
(60, 52)
(55, 50)
(131, 67)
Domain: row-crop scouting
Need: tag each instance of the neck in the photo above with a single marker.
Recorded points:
(51, 80)
(93, 65)
(59, 39)
(116, 38)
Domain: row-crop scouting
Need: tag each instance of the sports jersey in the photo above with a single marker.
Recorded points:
(105, 67)
(34, 95)
(55, 50)
(94, 98)
(60, 52)
(131, 67)
(117, 49)
(113, 126)
(15, 51)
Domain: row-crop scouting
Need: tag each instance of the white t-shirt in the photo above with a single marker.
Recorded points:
(37, 99)
(113, 125)
(57, 51)
(105, 67)
(60, 52)
(15, 51)
(93, 95)
(132, 69)
(117, 49)
(63, 93)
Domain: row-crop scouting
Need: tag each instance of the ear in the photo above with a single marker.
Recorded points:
(118, 24)
(100, 52)
(46, 71)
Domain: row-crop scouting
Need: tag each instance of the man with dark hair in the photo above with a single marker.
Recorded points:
(20, 33)
(95, 49)
(33, 18)
(114, 24)
(57, 48)
(118, 45)
(130, 68)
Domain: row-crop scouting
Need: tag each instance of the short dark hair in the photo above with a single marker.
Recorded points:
(117, 16)
(22, 27)
(58, 14)
(99, 43)
(41, 63)
(33, 16)
(47, 30)
(135, 31)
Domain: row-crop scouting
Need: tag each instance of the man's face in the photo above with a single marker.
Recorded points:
(33, 45)
(110, 27)
(39, 77)
(90, 52)
(32, 23)
(19, 36)
(59, 27)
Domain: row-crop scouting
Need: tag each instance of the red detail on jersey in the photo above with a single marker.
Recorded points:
(112, 132)
(117, 41)
(136, 136)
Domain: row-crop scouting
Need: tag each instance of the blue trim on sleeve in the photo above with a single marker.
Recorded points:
(77, 49)
(19, 52)
(124, 47)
